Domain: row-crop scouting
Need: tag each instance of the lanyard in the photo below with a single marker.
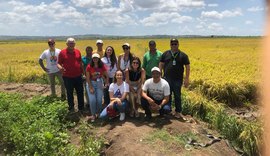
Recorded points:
(108, 60)
(109, 63)
(174, 55)
(125, 62)
(52, 58)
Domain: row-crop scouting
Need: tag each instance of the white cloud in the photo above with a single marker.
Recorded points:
(156, 19)
(167, 5)
(223, 14)
(248, 22)
(92, 3)
(215, 27)
(64, 17)
(38, 17)
(212, 5)
(199, 26)
(255, 9)
(147, 3)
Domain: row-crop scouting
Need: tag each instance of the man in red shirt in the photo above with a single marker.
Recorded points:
(70, 64)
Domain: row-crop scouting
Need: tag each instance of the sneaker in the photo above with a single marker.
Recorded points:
(122, 116)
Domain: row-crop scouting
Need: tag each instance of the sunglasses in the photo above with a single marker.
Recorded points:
(135, 62)
(125, 48)
(174, 44)
(50, 43)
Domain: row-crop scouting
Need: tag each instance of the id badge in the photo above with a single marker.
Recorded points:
(98, 79)
(174, 63)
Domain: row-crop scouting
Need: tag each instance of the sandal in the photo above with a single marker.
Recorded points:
(92, 118)
(137, 114)
(131, 114)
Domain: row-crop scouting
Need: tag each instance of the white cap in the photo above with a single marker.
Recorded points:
(99, 41)
(70, 40)
(126, 44)
(155, 69)
(95, 55)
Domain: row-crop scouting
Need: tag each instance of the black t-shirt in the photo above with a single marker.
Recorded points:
(174, 72)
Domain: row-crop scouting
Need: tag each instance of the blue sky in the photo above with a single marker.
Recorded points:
(132, 17)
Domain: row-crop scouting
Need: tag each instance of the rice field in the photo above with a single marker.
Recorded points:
(216, 63)
(224, 69)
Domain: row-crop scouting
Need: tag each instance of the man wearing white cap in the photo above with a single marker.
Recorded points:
(99, 49)
(155, 94)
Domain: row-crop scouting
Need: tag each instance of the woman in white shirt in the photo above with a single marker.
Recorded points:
(110, 61)
(125, 58)
(118, 93)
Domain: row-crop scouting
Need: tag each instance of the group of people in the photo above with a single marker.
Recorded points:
(118, 85)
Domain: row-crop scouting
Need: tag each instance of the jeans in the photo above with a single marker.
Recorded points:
(52, 82)
(107, 94)
(175, 88)
(77, 84)
(165, 109)
(95, 99)
(118, 108)
(86, 93)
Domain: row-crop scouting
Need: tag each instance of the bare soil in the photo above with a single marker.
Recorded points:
(134, 136)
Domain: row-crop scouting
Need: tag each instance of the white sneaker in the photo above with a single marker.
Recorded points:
(122, 116)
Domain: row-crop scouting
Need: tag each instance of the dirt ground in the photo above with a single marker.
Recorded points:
(137, 136)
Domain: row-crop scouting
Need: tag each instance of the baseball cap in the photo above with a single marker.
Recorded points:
(99, 41)
(152, 42)
(51, 40)
(125, 44)
(174, 40)
(95, 55)
(155, 69)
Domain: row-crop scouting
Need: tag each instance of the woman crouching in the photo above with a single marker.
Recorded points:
(118, 92)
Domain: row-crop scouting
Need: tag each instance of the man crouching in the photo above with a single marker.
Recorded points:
(155, 94)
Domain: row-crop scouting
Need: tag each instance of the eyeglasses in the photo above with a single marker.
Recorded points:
(135, 62)
(174, 44)
(125, 48)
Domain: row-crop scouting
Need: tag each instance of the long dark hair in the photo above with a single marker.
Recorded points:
(139, 61)
(100, 63)
(112, 57)
(130, 56)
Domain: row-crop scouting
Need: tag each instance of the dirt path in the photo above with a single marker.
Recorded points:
(160, 136)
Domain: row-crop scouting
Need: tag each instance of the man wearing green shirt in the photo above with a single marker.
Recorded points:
(151, 58)
(87, 58)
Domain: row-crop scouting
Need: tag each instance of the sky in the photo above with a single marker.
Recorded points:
(132, 17)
